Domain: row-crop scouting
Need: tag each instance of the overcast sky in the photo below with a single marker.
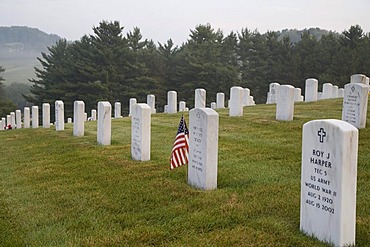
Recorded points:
(163, 19)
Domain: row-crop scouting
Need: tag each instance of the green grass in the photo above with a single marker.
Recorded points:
(61, 190)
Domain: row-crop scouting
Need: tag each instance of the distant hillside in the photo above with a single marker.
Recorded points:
(24, 39)
(295, 35)
(19, 48)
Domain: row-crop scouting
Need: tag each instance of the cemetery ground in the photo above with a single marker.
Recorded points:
(61, 190)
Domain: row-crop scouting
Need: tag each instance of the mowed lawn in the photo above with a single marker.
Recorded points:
(61, 190)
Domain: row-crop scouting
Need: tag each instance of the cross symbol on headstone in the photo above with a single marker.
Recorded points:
(321, 133)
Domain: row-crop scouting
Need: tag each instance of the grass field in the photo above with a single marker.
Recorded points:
(61, 190)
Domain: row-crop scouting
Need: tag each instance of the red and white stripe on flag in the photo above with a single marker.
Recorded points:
(180, 150)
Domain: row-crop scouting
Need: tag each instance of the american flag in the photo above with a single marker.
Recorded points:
(180, 150)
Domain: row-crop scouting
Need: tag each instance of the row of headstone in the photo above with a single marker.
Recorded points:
(14, 119)
(329, 167)
(273, 94)
(200, 101)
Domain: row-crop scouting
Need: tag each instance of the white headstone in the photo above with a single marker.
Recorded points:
(358, 78)
(26, 117)
(182, 106)
(59, 115)
(328, 181)
(117, 110)
(335, 91)
(140, 132)
(285, 103)
(203, 148)
(186, 108)
(8, 121)
(297, 94)
(150, 100)
(220, 100)
(165, 109)
(273, 93)
(2, 124)
(246, 96)
(69, 120)
(355, 104)
(340, 92)
(46, 115)
(200, 98)
(251, 100)
(236, 101)
(327, 91)
(213, 105)
(85, 116)
(319, 95)
(311, 88)
(35, 117)
(93, 115)
(18, 119)
(132, 103)
(104, 131)
(79, 118)
(172, 102)
(12, 120)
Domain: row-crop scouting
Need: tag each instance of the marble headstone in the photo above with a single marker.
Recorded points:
(328, 181)
(140, 132)
(220, 100)
(150, 100)
(200, 98)
(236, 101)
(203, 148)
(132, 103)
(327, 91)
(59, 115)
(18, 119)
(26, 117)
(213, 105)
(355, 102)
(358, 78)
(246, 97)
(182, 106)
(285, 103)
(311, 88)
(12, 120)
(297, 94)
(93, 115)
(104, 131)
(8, 120)
(273, 93)
(340, 92)
(117, 110)
(335, 91)
(171, 102)
(79, 118)
(46, 115)
(35, 117)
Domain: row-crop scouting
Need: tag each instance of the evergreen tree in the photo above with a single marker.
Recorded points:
(203, 66)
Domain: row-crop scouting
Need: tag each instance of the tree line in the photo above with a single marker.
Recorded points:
(108, 65)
